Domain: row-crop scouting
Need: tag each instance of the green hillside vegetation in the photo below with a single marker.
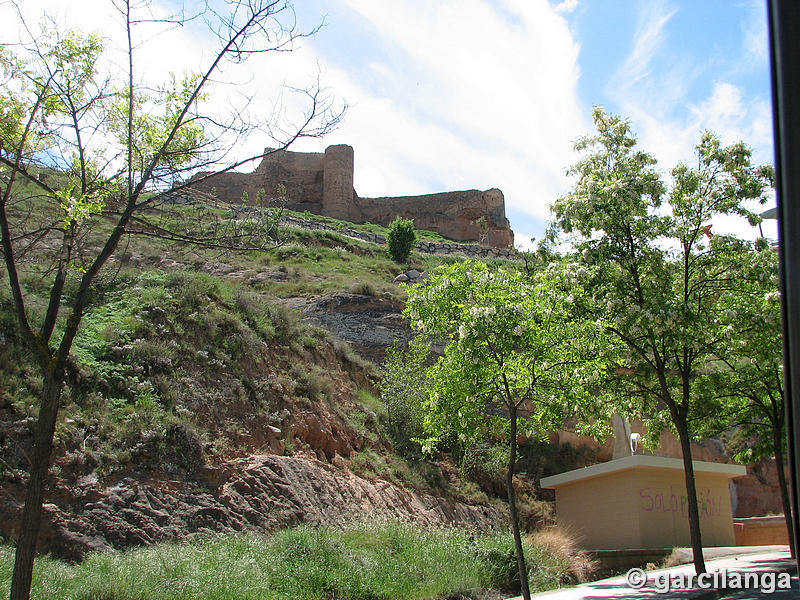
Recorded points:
(166, 315)
(422, 234)
(171, 366)
(175, 368)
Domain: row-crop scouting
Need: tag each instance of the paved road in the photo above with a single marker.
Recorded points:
(792, 593)
(762, 563)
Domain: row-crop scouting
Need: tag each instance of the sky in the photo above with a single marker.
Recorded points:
(448, 95)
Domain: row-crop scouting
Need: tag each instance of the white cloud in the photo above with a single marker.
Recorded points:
(667, 122)
(156, 52)
(566, 6)
(482, 98)
(648, 40)
(754, 40)
(254, 88)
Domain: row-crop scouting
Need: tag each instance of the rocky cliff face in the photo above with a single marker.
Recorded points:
(261, 493)
(368, 323)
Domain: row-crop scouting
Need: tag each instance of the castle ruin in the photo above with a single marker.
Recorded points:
(322, 183)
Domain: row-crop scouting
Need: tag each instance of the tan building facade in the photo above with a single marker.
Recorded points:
(640, 501)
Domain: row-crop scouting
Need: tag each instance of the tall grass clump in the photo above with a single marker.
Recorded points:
(558, 547)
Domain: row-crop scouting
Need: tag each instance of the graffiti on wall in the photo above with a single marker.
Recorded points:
(653, 500)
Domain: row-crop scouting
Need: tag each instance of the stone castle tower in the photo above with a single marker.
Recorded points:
(322, 183)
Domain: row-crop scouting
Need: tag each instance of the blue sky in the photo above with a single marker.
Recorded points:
(460, 94)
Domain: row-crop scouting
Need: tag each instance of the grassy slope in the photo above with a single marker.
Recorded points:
(365, 561)
(164, 317)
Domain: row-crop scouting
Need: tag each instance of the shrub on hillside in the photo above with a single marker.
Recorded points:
(404, 388)
(401, 239)
(486, 465)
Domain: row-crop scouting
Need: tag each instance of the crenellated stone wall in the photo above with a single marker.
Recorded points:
(322, 183)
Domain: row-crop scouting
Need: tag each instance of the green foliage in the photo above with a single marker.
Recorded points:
(364, 289)
(163, 361)
(363, 561)
(429, 236)
(749, 376)
(154, 117)
(39, 96)
(125, 151)
(663, 277)
(518, 356)
(486, 464)
(661, 273)
(373, 405)
(404, 387)
(401, 239)
(310, 381)
(512, 343)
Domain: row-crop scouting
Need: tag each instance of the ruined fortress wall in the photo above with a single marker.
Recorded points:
(228, 186)
(322, 183)
(301, 172)
(455, 215)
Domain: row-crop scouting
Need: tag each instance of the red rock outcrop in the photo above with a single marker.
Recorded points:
(260, 493)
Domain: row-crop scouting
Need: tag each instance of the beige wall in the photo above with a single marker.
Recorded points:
(663, 509)
(602, 512)
(644, 507)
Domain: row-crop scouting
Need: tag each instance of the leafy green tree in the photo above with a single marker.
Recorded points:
(661, 272)
(112, 151)
(401, 239)
(516, 359)
(750, 376)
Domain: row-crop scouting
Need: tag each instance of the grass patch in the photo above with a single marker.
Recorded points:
(422, 235)
(364, 561)
(558, 548)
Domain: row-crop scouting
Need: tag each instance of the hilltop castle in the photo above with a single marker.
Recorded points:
(322, 183)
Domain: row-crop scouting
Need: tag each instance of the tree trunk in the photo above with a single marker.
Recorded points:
(777, 441)
(512, 508)
(691, 497)
(40, 464)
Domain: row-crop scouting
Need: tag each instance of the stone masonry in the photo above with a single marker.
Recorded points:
(322, 183)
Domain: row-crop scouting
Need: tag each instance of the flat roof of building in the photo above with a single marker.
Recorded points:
(640, 461)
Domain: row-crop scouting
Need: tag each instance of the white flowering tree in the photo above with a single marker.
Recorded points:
(516, 358)
(663, 275)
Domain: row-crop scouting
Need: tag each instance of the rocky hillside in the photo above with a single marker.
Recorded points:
(213, 392)
(220, 393)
